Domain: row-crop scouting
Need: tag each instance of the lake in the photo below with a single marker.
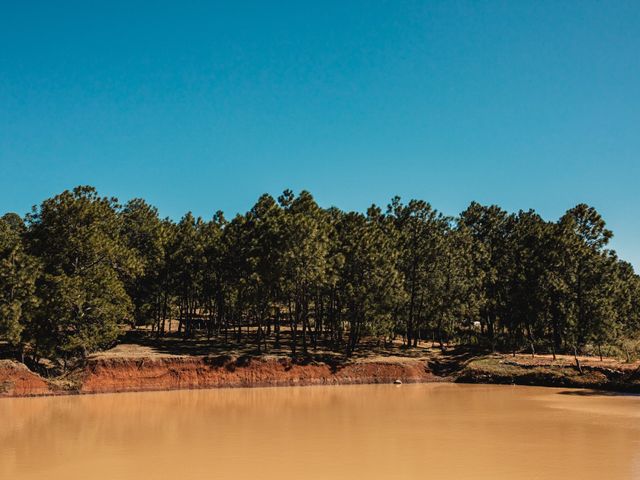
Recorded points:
(440, 431)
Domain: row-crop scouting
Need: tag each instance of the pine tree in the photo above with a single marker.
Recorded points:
(77, 236)
(18, 275)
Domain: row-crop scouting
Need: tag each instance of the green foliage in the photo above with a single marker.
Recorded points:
(146, 236)
(369, 282)
(18, 274)
(82, 267)
(78, 238)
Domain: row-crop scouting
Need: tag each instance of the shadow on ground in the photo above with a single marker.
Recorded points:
(450, 362)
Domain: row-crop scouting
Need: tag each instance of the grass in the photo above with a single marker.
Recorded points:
(611, 375)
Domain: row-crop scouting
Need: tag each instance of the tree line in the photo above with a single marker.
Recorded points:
(80, 268)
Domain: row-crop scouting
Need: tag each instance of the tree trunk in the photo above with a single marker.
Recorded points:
(575, 356)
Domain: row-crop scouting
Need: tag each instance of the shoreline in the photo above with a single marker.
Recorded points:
(118, 375)
(138, 374)
(622, 378)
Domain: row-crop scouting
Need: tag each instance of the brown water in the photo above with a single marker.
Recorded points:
(440, 431)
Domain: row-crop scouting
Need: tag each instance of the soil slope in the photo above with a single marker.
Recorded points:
(120, 375)
(130, 368)
(562, 372)
(16, 380)
(101, 375)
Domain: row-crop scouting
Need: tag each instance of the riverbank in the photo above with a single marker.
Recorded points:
(608, 374)
(107, 375)
(135, 368)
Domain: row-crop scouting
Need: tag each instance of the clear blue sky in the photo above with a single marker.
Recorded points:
(204, 106)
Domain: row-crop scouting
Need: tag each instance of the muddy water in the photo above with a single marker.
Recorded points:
(439, 431)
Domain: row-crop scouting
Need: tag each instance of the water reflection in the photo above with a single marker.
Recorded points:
(384, 431)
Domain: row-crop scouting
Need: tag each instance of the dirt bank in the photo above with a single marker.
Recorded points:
(132, 368)
(118, 375)
(102, 375)
(16, 380)
(563, 372)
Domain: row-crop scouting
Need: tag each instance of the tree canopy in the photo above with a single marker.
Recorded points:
(80, 269)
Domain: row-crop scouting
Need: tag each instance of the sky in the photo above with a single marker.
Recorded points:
(203, 106)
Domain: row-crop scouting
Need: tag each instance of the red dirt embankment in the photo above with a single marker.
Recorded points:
(120, 375)
(102, 375)
(129, 368)
(16, 380)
